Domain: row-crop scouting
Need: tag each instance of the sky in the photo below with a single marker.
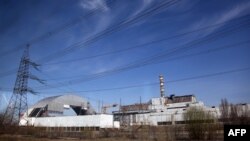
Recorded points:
(113, 51)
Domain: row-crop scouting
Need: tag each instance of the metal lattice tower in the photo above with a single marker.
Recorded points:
(18, 101)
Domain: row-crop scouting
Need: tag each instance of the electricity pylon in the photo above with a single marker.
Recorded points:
(18, 102)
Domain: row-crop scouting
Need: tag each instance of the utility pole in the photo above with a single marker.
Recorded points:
(18, 104)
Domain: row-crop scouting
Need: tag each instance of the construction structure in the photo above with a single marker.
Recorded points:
(163, 110)
(106, 107)
(18, 101)
(54, 112)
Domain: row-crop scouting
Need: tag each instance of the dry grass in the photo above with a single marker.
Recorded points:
(30, 138)
(135, 133)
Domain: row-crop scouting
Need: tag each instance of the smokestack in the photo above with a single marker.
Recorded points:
(162, 91)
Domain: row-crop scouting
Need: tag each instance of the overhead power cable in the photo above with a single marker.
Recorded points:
(149, 60)
(113, 28)
(144, 44)
(101, 34)
(246, 17)
(152, 59)
(239, 44)
(58, 30)
(157, 83)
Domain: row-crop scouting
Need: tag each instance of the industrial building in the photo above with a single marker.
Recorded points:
(160, 111)
(163, 110)
(52, 112)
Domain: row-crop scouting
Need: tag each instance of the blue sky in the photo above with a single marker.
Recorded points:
(186, 26)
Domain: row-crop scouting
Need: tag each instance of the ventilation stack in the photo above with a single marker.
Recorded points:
(162, 90)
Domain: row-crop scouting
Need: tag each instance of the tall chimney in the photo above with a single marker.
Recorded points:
(162, 91)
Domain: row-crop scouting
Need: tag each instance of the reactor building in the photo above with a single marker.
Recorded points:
(163, 110)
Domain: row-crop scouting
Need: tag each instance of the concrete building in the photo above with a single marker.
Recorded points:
(160, 111)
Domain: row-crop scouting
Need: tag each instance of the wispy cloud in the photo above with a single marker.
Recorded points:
(182, 6)
(94, 4)
(4, 99)
(143, 6)
(224, 16)
(106, 18)
(102, 65)
(102, 19)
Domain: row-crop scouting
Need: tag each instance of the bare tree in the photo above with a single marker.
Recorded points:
(234, 113)
(224, 110)
(197, 120)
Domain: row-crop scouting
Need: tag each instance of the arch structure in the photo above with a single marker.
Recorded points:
(57, 105)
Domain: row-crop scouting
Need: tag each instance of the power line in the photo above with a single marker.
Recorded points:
(121, 25)
(239, 44)
(107, 31)
(147, 43)
(157, 83)
(151, 59)
(131, 20)
(46, 35)
(184, 56)
(147, 61)
(7, 73)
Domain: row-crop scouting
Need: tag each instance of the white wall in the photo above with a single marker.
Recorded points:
(102, 121)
